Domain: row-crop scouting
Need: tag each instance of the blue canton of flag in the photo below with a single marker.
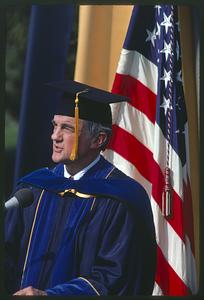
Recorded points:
(170, 96)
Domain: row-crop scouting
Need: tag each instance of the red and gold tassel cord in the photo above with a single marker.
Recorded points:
(73, 154)
(167, 205)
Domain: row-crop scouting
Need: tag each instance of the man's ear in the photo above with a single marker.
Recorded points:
(99, 141)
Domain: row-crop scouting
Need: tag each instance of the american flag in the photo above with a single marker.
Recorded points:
(150, 139)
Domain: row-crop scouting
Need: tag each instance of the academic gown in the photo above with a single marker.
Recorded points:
(75, 245)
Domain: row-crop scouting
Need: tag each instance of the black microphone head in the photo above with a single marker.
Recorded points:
(25, 197)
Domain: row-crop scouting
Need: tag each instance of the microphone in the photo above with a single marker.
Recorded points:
(22, 198)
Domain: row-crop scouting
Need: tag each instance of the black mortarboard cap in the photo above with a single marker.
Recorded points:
(93, 102)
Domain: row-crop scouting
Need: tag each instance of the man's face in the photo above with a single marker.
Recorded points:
(63, 138)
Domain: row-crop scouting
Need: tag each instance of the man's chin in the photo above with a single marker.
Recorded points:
(58, 160)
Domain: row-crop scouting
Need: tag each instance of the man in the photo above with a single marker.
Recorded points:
(93, 235)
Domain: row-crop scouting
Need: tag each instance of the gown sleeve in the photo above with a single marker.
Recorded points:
(12, 238)
(16, 231)
(116, 255)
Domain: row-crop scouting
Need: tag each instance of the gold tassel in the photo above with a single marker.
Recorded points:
(167, 209)
(73, 154)
(76, 130)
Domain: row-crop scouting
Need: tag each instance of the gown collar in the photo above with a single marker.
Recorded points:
(78, 175)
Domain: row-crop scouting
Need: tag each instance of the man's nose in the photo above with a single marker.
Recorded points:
(57, 134)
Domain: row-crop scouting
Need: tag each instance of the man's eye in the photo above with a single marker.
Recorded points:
(68, 128)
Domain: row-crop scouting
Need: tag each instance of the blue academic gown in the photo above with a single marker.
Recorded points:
(72, 245)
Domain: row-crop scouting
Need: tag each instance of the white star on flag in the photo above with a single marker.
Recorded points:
(179, 131)
(151, 36)
(158, 30)
(166, 105)
(166, 50)
(158, 7)
(177, 50)
(178, 24)
(166, 77)
(179, 108)
(158, 55)
(166, 23)
(178, 76)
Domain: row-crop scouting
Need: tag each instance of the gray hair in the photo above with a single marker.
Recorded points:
(95, 129)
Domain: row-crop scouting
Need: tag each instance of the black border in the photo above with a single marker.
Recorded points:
(2, 124)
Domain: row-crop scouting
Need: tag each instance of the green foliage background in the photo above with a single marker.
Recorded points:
(17, 21)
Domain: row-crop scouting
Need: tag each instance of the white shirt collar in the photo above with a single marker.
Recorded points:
(78, 175)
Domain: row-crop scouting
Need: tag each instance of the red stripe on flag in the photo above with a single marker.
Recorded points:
(168, 280)
(141, 97)
(135, 152)
(132, 150)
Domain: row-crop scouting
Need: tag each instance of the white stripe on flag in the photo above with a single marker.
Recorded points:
(157, 290)
(136, 65)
